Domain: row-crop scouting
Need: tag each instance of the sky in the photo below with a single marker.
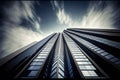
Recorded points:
(23, 22)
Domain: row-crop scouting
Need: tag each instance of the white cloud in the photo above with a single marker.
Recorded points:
(19, 10)
(98, 17)
(15, 35)
(56, 4)
(99, 14)
(62, 16)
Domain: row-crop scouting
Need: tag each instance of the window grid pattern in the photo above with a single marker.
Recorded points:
(36, 65)
(96, 32)
(85, 65)
(99, 39)
(58, 62)
(97, 50)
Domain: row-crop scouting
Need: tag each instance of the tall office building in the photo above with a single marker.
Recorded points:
(73, 54)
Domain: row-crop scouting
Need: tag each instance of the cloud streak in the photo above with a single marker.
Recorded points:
(15, 34)
(62, 16)
(100, 14)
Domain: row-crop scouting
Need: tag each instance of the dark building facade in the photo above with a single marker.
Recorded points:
(73, 54)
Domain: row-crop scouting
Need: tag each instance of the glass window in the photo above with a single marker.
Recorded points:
(82, 67)
(84, 59)
(41, 57)
(118, 62)
(83, 63)
(94, 48)
(32, 73)
(47, 48)
(100, 51)
(114, 59)
(77, 52)
(54, 63)
(53, 67)
(42, 54)
(61, 67)
(89, 73)
(85, 73)
(34, 67)
(44, 51)
(90, 67)
(97, 49)
(38, 59)
(70, 46)
(87, 67)
(109, 56)
(91, 46)
(36, 63)
(59, 76)
(80, 56)
(104, 53)
(53, 72)
(61, 72)
(61, 62)
(74, 50)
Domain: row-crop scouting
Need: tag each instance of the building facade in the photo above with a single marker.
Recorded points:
(73, 54)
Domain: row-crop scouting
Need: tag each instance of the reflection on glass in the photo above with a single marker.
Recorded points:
(32, 73)
(89, 73)
(34, 68)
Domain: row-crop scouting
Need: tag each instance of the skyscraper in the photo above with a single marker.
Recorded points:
(73, 54)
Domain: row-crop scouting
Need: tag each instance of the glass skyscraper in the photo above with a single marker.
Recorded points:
(73, 54)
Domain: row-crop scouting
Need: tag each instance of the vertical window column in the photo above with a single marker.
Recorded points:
(85, 65)
(100, 52)
(58, 63)
(35, 67)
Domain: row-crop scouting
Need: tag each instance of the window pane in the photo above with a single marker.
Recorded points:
(89, 73)
(84, 59)
(61, 67)
(59, 76)
(34, 68)
(100, 51)
(80, 56)
(41, 56)
(114, 59)
(44, 52)
(87, 67)
(33, 73)
(104, 53)
(38, 59)
(82, 63)
(36, 63)
(97, 49)
(109, 56)
(61, 72)
(77, 52)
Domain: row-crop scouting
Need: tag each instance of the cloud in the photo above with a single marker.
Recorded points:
(17, 37)
(62, 16)
(15, 34)
(99, 15)
(19, 10)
